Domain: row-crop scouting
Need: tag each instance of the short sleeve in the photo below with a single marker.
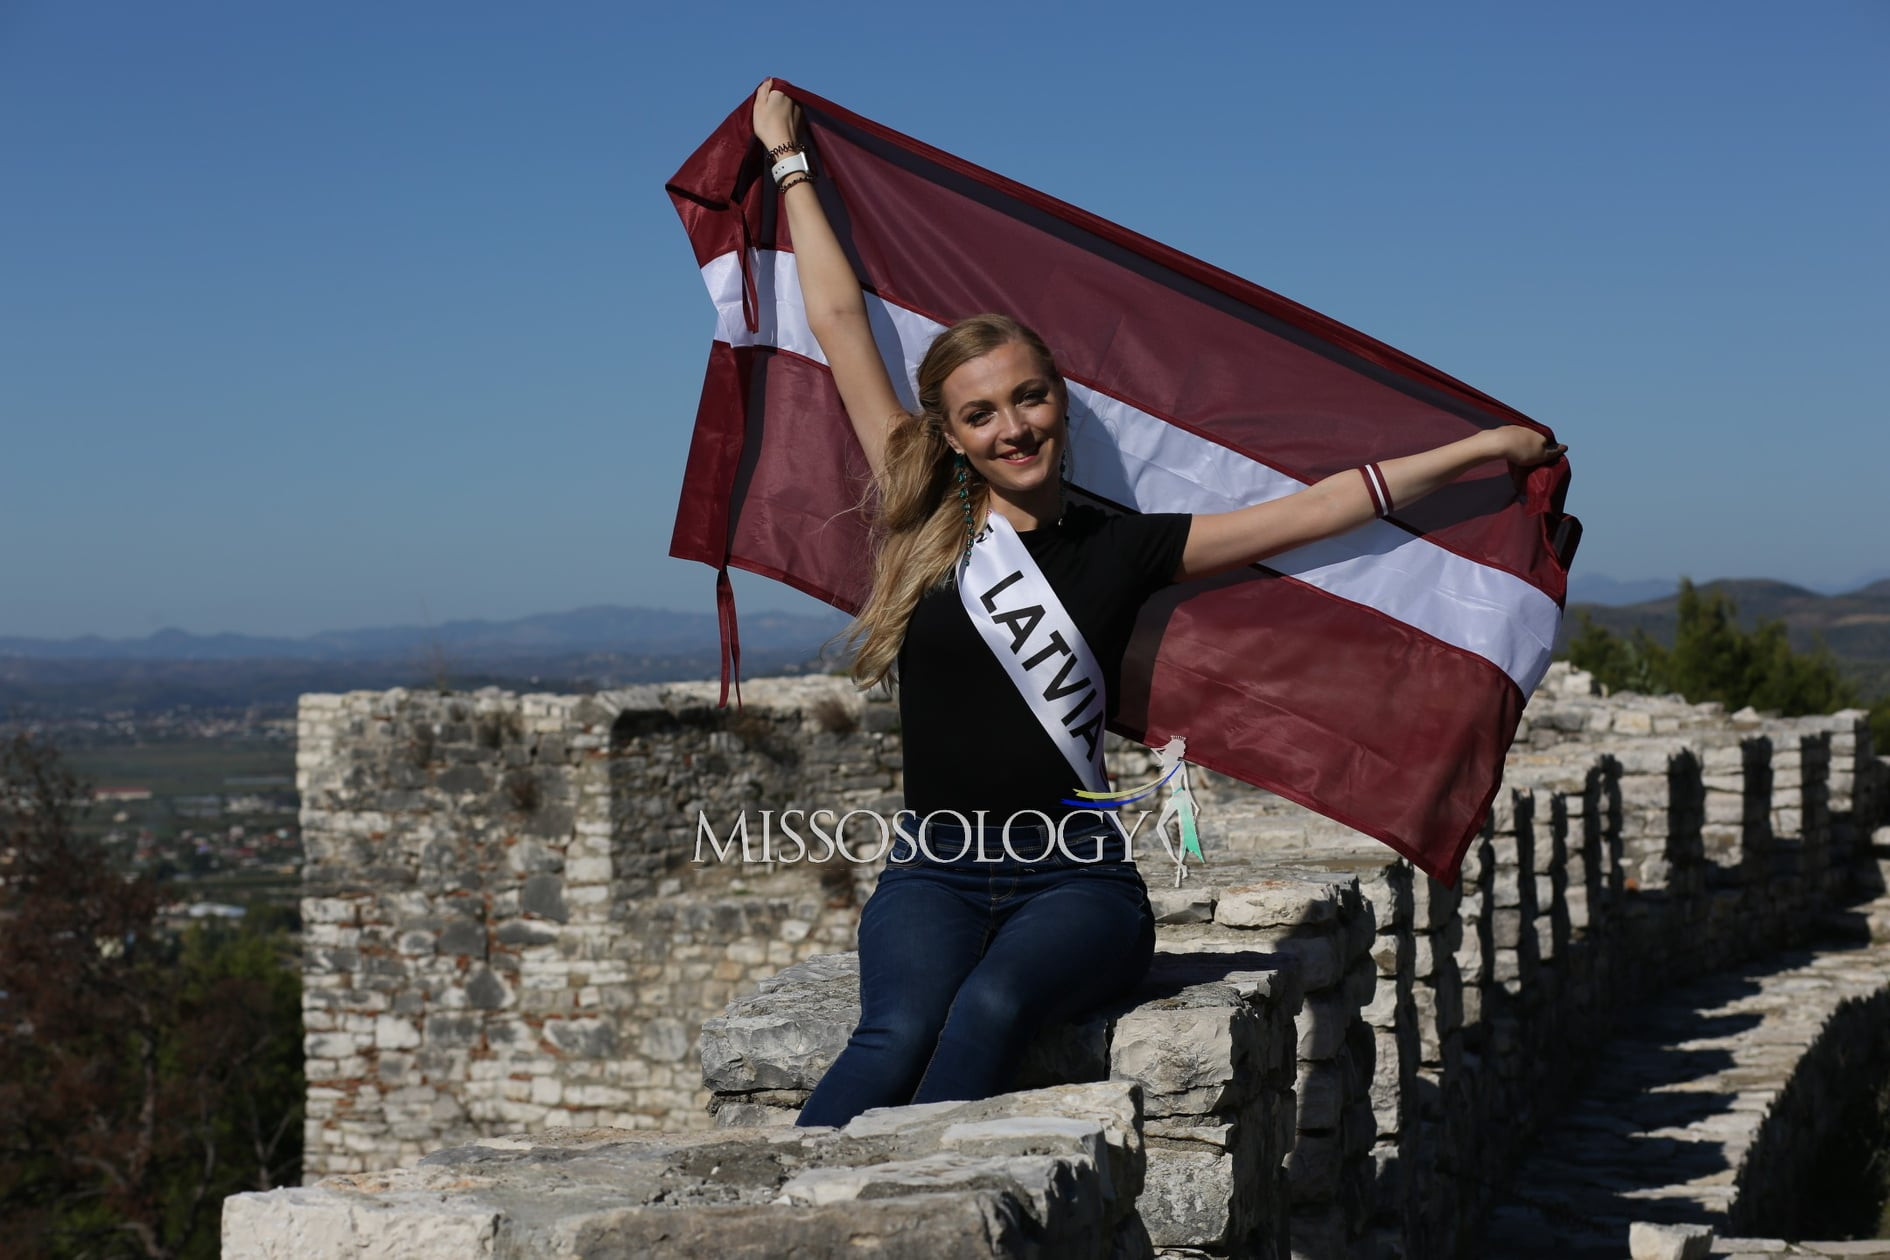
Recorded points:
(1148, 547)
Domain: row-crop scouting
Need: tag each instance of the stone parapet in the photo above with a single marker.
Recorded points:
(1441, 1027)
(1051, 1174)
(1341, 1056)
(1209, 1039)
(505, 927)
(1727, 1106)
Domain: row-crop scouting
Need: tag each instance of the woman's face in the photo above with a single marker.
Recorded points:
(1005, 413)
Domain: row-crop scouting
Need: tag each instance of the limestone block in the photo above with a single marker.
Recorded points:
(313, 1224)
(614, 1193)
(1433, 903)
(789, 1033)
(1386, 1006)
(1312, 1170)
(1189, 1200)
(1322, 1025)
(391, 1033)
(1319, 959)
(1188, 1061)
(1669, 1242)
(1321, 1091)
(329, 1046)
(1182, 905)
(667, 1040)
(1362, 985)
(1277, 903)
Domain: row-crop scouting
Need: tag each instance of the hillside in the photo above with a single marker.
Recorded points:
(1855, 626)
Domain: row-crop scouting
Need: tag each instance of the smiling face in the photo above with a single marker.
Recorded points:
(1005, 413)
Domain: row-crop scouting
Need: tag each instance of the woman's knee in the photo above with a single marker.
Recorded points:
(993, 1005)
(901, 1032)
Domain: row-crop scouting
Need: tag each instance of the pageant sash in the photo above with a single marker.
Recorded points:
(1034, 637)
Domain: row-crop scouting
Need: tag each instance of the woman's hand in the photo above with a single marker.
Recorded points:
(1524, 447)
(1219, 541)
(777, 117)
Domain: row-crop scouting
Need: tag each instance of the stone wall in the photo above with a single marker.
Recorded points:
(1638, 842)
(1210, 1041)
(506, 933)
(505, 929)
(1051, 1175)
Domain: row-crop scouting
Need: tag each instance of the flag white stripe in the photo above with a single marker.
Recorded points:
(1124, 454)
(1381, 493)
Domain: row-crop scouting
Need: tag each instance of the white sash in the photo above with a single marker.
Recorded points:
(1033, 636)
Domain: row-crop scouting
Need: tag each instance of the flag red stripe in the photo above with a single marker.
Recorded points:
(1271, 680)
(1259, 373)
(1320, 724)
(1321, 721)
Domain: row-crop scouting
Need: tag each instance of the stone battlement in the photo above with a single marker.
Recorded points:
(507, 932)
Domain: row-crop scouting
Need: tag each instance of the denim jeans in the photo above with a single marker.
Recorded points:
(961, 962)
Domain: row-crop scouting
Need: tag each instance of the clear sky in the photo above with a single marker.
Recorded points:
(326, 315)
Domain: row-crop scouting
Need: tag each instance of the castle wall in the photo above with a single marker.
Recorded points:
(506, 932)
(504, 926)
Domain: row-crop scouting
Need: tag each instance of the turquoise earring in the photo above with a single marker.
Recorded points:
(964, 499)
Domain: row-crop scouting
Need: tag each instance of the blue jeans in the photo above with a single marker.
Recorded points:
(962, 962)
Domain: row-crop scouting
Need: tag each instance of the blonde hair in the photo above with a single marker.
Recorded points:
(919, 525)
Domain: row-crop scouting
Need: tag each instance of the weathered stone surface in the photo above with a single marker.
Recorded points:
(1669, 1242)
(1190, 1199)
(789, 1033)
(1277, 903)
(1182, 905)
(1439, 1022)
(1186, 1060)
(491, 873)
(1052, 1173)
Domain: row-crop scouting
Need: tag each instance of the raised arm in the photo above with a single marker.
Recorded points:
(1221, 541)
(836, 308)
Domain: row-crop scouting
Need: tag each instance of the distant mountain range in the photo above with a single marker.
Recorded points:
(609, 646)
(1593, 588)
(574, 651)
(1855, 626)
(605, 628)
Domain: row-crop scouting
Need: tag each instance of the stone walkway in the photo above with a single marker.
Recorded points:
(1673, 1105)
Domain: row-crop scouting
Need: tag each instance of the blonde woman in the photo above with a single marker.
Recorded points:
(1001, 908)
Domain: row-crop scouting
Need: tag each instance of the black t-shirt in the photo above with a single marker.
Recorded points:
(971, 741)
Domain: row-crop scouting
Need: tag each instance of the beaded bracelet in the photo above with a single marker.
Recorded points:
(796, 179)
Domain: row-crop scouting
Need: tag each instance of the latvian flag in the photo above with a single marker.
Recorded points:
(1376, 678)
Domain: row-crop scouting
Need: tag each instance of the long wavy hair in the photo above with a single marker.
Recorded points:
(919, 524)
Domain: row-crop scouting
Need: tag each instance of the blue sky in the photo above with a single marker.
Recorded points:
(317, 316)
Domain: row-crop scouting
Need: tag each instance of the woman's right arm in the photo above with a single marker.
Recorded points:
(836, 308)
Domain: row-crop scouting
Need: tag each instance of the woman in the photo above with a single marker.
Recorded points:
(981, 932)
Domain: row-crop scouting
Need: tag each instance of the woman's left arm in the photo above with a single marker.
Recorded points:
(1220, 541)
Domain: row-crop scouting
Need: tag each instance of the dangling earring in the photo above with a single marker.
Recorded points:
(1063, 485)
(964, 500)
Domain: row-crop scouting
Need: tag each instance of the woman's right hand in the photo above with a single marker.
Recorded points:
(1525, 447)
(777, 117)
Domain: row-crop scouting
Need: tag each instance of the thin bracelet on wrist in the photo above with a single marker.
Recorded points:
(1376, 486)
(795, 180)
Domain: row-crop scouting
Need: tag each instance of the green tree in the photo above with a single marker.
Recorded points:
(1712, 658)
(1636, 663)
(143, 1076)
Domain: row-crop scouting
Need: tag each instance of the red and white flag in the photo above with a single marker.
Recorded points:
(1376, 678)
